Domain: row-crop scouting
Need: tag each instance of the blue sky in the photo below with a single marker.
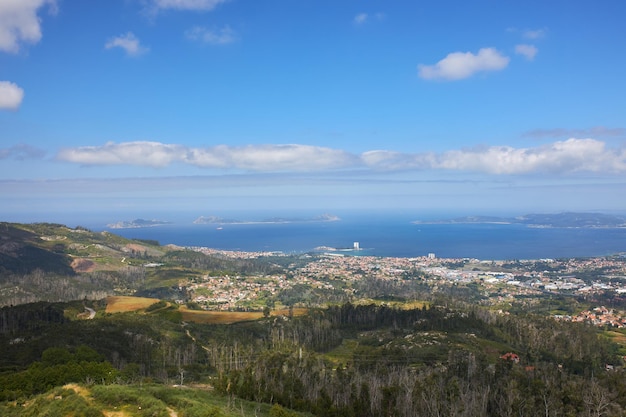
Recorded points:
(146, 106)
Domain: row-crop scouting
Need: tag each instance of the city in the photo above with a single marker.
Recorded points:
(497, 283)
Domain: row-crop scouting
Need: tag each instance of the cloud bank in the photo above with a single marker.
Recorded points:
(562, 157)
(249, 158)
(11, 96)
(19, 22)
(460, 65)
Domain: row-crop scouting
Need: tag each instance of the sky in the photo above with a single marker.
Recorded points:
(144, 107)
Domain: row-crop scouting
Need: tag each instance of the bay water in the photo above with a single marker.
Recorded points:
(393, 237)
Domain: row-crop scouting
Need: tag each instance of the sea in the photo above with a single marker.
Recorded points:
(391, 236)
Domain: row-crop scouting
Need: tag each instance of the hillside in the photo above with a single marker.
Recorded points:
(58, 249)
(347, 360)
(139, 401)
(52, 262)
(316, 335)
(55, 263)
(323, 335)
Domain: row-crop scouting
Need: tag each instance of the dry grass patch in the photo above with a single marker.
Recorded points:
(219, 317)
(124, 304)
(229, 317)
(137, 248)
(402, 305)
(115, 413)
(296, 312)
(82, 391)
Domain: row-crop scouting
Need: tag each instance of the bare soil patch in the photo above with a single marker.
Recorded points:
(228, 317)
(83, 265)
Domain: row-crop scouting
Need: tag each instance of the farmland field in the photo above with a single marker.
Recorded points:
(124, 304)
(227, 317)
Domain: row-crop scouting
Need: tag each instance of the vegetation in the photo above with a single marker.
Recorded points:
(51, 262)
(348, 360)
(147, 400)
(366, 347)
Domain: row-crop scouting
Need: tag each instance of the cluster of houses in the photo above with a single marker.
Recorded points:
(599, 316)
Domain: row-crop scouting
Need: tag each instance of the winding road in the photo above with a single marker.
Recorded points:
(92, 313)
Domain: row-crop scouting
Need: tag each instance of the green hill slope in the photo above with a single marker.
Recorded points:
(139, 401)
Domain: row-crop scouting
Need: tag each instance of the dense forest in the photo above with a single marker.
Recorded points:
(345, 360)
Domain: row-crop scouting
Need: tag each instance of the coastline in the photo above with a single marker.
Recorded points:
(395, 238)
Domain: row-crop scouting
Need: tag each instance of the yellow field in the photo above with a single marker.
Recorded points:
(403, 305)
(617, 337)
(124, 304)
(228, 317)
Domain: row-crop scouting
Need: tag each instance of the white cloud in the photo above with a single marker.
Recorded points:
(216, 37)
(360, 18)
(562, 157)
(153, 154)
(128, 42)
(250, 158)
(11, 96)
(202, 5)
(459, 65)
(271, 158)
(528, 51)
(393, 161)
(19, 22)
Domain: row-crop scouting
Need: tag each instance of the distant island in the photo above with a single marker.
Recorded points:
(563, 220)
(137, 223)
(222, 220)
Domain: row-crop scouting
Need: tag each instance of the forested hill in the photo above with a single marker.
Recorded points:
(58, 249)
(345, 361)
(52, 262)
(22, 251)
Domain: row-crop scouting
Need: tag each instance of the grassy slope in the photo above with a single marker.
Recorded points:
(53, 248)
(136, 401)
